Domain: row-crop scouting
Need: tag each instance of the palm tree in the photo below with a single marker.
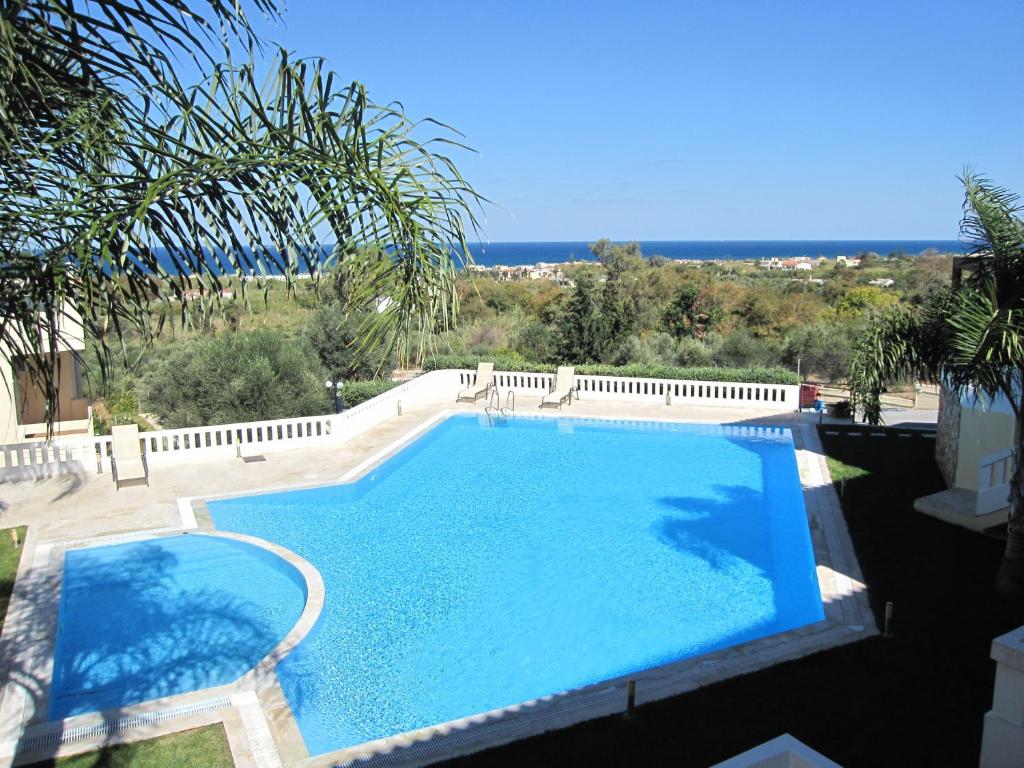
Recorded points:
(969, 337)
(121, 188)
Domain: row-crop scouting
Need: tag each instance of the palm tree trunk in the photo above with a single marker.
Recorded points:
(1010, 579)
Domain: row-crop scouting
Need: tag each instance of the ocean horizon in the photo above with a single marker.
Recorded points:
(557, 252)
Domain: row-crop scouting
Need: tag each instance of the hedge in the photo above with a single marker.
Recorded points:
(356, 392)
(636, 370)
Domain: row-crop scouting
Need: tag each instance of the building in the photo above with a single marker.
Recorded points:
(22, 400)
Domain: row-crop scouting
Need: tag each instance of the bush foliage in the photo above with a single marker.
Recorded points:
(357, 392)
(236, 377)
(752, 375)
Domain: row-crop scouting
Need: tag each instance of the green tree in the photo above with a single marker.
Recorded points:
(823, 349)
(618, 258)
(581, 336)
(864, 298)
(334, 336)
(970, 337)
(617, 316)
(236, 377)
(122, 186)
(693, 312)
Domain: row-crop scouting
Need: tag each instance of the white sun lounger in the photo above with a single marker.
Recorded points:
(564, 388)
(481, 385)
(127, 460)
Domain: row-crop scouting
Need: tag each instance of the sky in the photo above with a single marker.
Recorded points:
(698, 120)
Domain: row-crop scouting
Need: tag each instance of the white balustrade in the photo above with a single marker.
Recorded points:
(166, 446)
(781, 397)
(35, 460)
(994, 477)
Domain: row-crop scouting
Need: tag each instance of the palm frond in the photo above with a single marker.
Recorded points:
(122, 190)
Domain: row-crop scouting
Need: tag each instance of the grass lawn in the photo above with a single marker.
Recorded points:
(9, 558)
(914, 700)
(202, 748)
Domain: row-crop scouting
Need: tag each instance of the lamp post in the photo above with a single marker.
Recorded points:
(335, 388)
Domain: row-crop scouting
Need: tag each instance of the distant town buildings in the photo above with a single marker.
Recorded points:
(538, 271)
(803, 263)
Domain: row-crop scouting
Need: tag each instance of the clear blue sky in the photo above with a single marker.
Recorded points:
(699, 120)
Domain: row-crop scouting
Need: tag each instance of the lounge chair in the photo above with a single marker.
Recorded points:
(482, 384)
(127, 460)
(564, 388)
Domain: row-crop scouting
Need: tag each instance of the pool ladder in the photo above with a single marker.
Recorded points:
(494, 403)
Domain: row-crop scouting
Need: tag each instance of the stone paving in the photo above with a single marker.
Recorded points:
(67, 511)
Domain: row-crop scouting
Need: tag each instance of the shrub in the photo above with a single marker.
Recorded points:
(236, 377)
(742, 350)
(693, 353)
(536, 341)
(123, 406)
(753, 375)
(650, 349)
(485, 335)
(357, 392)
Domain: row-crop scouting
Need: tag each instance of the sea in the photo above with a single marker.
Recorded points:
(514, 254)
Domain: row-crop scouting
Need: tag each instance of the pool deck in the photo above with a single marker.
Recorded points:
(69, 511)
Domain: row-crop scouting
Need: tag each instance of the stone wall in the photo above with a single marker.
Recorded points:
(947, 434)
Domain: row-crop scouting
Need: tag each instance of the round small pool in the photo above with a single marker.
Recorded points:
(148, 619)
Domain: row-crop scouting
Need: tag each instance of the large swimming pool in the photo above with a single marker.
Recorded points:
(496, 561)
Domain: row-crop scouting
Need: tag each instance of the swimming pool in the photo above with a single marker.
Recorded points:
(147, 619)
(492, 562)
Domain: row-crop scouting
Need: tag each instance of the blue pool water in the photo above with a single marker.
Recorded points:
(148, 619)
(489, 564)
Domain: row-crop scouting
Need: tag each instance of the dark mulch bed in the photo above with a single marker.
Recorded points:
(916, 699)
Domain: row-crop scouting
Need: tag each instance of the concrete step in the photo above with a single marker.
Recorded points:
(957, 506)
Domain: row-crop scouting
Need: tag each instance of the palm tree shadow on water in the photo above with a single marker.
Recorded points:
(758, 527)
(723, 533)
(767, 528)
(720, 531)
(140, 625)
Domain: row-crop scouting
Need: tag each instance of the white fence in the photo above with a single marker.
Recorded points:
(37, 460)
(781, 397)
(168, 446)
(92, 454)
(994, 481)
